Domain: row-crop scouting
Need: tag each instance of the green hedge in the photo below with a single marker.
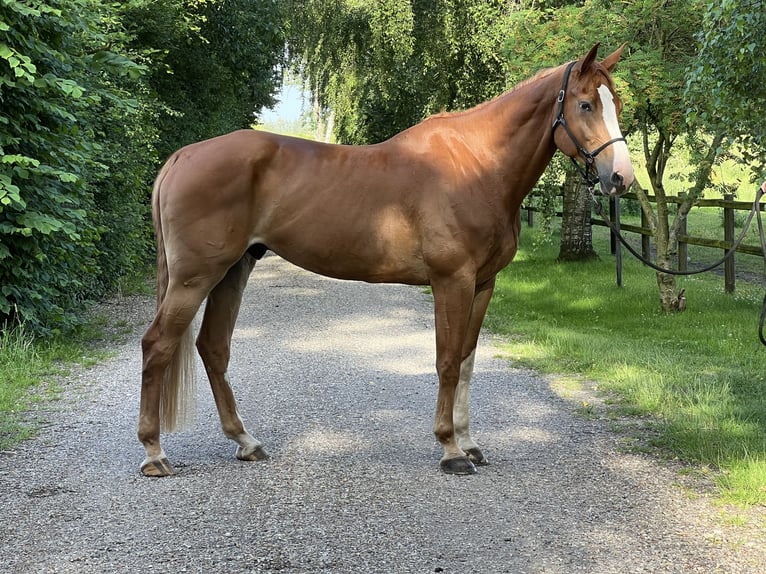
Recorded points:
(93, 95)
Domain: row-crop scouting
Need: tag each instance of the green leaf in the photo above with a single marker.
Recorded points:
(20, 160)
(45, 224)
(68, 178)
(70, 88)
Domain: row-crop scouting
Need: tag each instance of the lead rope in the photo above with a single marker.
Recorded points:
(755, 212)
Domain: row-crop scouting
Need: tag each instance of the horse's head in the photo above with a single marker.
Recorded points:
(587, 111)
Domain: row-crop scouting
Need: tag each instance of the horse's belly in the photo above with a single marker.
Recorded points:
(353, 240)
(357, 265)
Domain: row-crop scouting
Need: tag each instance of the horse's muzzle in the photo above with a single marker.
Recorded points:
(616, 183)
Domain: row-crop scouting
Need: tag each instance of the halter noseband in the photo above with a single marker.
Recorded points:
(589, 157)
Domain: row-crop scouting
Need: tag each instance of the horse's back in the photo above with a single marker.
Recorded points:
(398, 211)
(336, 210)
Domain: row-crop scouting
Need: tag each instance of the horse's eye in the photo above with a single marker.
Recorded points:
(585, 107)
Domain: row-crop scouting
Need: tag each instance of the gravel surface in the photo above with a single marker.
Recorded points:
(337, 379)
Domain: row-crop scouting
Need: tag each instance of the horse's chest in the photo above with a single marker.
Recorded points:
(500, 249)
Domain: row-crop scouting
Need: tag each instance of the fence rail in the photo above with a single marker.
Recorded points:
(729, 206)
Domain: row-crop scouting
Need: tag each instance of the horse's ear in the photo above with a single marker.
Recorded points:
(611, 60)
(585, 64)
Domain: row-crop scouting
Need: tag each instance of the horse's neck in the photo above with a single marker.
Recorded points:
(517, 130)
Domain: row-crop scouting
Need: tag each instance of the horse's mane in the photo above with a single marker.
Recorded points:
(544, 73)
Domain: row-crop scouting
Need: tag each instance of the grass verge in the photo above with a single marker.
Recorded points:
(30, 368)
(28, 371)
(699, 376)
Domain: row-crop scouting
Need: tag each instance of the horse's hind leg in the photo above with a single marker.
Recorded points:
(161, 345)
(214, 345)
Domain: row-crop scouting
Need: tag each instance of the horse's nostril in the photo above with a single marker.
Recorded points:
(617, 180)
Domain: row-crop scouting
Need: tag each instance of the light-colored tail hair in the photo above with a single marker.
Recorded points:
(178, 395)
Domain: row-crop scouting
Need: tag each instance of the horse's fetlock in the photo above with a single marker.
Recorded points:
(444, 433)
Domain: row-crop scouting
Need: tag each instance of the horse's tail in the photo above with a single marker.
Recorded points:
(179, 385)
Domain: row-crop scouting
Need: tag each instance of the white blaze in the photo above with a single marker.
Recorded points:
(620, 153)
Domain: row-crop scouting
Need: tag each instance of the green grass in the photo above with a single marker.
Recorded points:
(27, 372)
(31, 369)
(699, 376)
(18, 362)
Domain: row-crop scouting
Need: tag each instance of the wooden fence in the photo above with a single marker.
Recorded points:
(729, 206)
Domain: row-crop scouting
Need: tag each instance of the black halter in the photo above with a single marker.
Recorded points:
(589, 157)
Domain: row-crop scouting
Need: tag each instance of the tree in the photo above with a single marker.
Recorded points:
(382, 66)
(576, 231)
(727, 82)
(212, 63)
(664, 40)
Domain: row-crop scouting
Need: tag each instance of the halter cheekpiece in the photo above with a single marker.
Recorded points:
(589, 157)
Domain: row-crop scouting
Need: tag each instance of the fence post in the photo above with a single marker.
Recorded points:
(728, 236)
(614, 216)
(530, 216)
(683, 247)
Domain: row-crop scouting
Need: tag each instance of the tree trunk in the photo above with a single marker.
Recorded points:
(318, 117)
(576, 229)
(671, 301)
(665, 233)
(330, 127)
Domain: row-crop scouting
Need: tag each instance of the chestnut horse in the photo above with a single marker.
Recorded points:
(437, 204)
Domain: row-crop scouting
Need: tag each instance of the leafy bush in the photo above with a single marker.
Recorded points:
(92, 95)
(68, 148)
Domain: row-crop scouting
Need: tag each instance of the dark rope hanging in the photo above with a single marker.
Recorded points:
(755, 212)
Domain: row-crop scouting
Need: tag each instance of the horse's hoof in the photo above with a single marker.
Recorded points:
(156, 466)
(459, 465)
(477, 457)
(252, 453)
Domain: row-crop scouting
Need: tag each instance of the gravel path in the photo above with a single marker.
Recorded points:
(337, 380)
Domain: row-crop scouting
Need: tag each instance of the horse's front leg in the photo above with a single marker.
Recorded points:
(463, 395)
(453, 299)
